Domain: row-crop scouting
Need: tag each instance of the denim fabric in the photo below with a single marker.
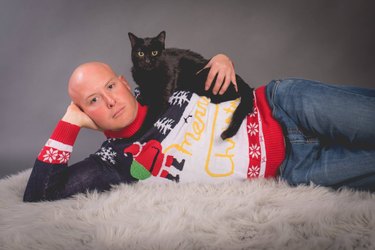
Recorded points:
(329, 132)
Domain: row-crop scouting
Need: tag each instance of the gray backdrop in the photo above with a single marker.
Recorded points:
(43, 41)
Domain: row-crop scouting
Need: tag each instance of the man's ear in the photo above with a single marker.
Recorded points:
(124, 81)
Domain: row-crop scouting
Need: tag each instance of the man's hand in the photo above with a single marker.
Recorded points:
(223, 67)
(76, 116)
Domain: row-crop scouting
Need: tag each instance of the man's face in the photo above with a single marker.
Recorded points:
(108, 101)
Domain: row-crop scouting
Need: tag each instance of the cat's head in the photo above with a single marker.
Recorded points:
(146, 51)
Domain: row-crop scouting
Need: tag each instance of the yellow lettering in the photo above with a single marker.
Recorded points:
(230, 110)
(198, 127)
(227, 155)
(181, 147)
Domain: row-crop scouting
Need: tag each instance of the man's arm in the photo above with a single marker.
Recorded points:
(52, 178)
(52, 162)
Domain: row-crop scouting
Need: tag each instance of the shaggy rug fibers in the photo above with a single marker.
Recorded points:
(260, 214)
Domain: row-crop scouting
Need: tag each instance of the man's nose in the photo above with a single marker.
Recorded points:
(110, 100)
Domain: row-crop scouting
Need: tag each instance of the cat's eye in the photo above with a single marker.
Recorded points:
(141, 54)
(154, 53)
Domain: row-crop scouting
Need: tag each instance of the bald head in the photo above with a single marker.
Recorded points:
(88, 74)
(103, 96)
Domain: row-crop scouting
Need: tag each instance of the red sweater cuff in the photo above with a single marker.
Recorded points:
(65, 132)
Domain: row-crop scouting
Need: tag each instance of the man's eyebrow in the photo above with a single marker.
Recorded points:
(88, 97)
(110, 80)
(105, 85)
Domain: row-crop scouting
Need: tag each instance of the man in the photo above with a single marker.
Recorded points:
(323, 142)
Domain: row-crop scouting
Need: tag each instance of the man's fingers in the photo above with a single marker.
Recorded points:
(219, 81)
(208, 65)
(210, 78)
(225, 85)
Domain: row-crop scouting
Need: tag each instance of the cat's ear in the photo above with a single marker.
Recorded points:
(133, 39)
(161, 37)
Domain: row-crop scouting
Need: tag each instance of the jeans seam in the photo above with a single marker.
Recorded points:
(277, 83)
(306, 139)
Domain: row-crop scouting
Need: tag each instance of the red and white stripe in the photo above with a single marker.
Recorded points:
(59, 147)
(257, 149)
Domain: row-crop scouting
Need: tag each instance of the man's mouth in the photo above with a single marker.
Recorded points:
(118, 112)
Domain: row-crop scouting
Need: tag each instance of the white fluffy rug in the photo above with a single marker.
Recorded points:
(257, 214)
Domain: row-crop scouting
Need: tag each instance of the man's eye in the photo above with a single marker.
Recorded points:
(111, 86)
(93, 100)
(141, 54)
(154, 53)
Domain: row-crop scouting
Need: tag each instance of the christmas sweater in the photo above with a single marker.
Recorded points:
(183, 145)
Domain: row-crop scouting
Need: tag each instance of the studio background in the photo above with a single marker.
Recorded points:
(42, 42)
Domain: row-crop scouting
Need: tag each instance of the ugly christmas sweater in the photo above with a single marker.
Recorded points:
(183, 145)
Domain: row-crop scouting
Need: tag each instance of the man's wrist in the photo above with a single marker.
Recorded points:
(72, 119)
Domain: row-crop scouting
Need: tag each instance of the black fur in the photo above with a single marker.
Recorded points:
(159, 72)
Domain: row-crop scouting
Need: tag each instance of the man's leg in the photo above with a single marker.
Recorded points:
(339, 114)
(329, 133)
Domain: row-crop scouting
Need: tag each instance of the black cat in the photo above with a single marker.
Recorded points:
(159, 72)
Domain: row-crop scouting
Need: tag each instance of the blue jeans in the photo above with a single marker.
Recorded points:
(329, 133)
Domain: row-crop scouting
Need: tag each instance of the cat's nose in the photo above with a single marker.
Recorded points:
(147, 60)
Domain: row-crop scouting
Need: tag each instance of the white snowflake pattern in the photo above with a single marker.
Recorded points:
(178, 98)
(64, 157)
(107, 154)
(137, 92)
(253, 171)
(50, 155)
(254, 151)
(109, 140)
(255, 112)
(164, 125)
(252, 128)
